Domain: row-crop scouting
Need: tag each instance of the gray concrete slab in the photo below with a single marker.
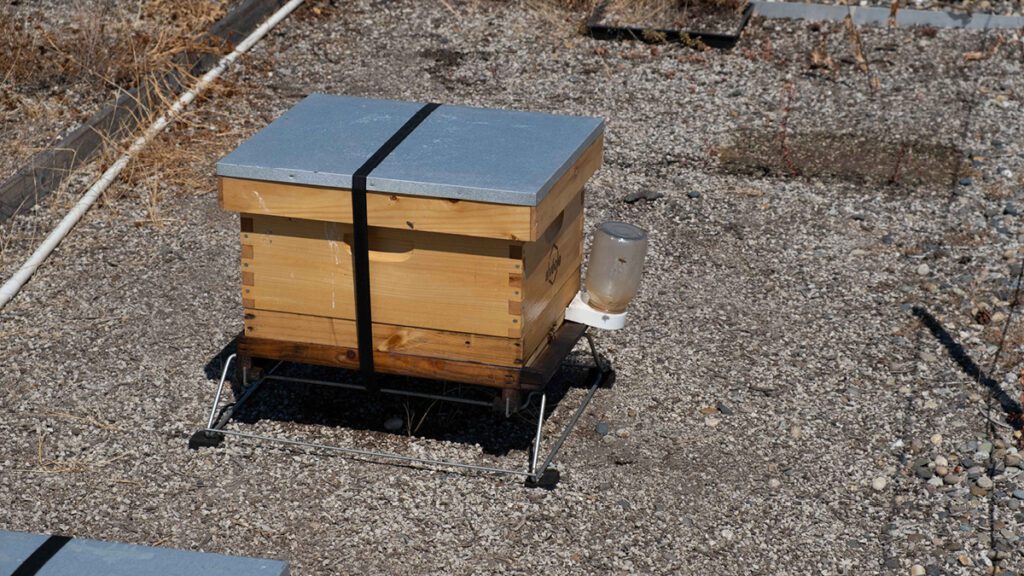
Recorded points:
(95, 558)
(875, 16)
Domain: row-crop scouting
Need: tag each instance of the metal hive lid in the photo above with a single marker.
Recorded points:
(458, 152)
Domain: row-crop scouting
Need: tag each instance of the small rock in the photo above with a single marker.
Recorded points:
(985, 447)
(1014, 460)
(622, 433)
(975, 472)
(917, 570)
(984, 482)
(888, 239)
(953, 479)
(795, 432)
(724, 408)
(923, 270)
(930, 404)
(623, 459)
(935, 481)
(936, 439)
(940, 461)
(924, 472)
(1018, 494)
(711, 421)
(602, 428)
(964, 560)
(1011, 210)
(652, 195)
(775, 484)
(727, 534)
(879, 483)
(941, 471)
(965, 181)
(394, 424)
(633, 197)
(693, 194)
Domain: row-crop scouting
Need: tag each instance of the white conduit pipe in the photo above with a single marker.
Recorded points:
(14, 284)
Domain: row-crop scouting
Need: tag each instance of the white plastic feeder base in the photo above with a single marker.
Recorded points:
(580, 311)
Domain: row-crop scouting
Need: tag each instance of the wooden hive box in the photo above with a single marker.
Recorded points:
(475, 230)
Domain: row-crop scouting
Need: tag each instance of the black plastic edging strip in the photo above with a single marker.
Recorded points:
(46, 170)
(659, 35)
(36, 560)
(360, 242)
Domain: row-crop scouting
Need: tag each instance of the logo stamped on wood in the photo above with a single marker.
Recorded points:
(554, 261)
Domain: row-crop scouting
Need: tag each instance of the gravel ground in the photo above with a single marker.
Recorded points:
(779, 408)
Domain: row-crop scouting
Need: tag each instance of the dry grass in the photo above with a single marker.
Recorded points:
(99, 52)
(666, 13)
(642, 7)
(103, 49)
(180, 160)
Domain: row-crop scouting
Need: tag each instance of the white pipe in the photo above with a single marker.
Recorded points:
(15, 282)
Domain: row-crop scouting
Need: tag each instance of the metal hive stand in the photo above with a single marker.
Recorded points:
(601, 375)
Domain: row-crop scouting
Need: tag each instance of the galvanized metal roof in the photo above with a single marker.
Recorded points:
(458, 152)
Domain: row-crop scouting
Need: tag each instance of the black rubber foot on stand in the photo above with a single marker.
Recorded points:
(548, 480)
(205, 439)
(609, 377)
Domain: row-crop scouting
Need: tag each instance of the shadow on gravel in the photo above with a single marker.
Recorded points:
(855, 157)
(1012, 408)
(318, 405)
(215, 365)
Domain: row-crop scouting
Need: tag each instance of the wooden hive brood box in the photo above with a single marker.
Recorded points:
(475, 225)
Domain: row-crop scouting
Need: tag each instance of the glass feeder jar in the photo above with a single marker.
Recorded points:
(616, 265)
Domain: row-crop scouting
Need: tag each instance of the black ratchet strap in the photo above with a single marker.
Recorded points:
(360, 242)
(36, 560)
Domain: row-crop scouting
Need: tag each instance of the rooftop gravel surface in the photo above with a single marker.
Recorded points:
(779, 408)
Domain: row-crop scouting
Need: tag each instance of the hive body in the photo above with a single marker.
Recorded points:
(467, 284)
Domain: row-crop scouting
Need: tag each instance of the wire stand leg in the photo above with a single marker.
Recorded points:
(213, 434)
(601, 376)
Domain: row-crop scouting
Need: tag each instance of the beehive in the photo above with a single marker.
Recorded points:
(475, 227)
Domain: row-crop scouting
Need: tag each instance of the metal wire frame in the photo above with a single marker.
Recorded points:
(217, 425)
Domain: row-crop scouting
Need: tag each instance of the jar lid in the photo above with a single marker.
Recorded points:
(623, 231)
